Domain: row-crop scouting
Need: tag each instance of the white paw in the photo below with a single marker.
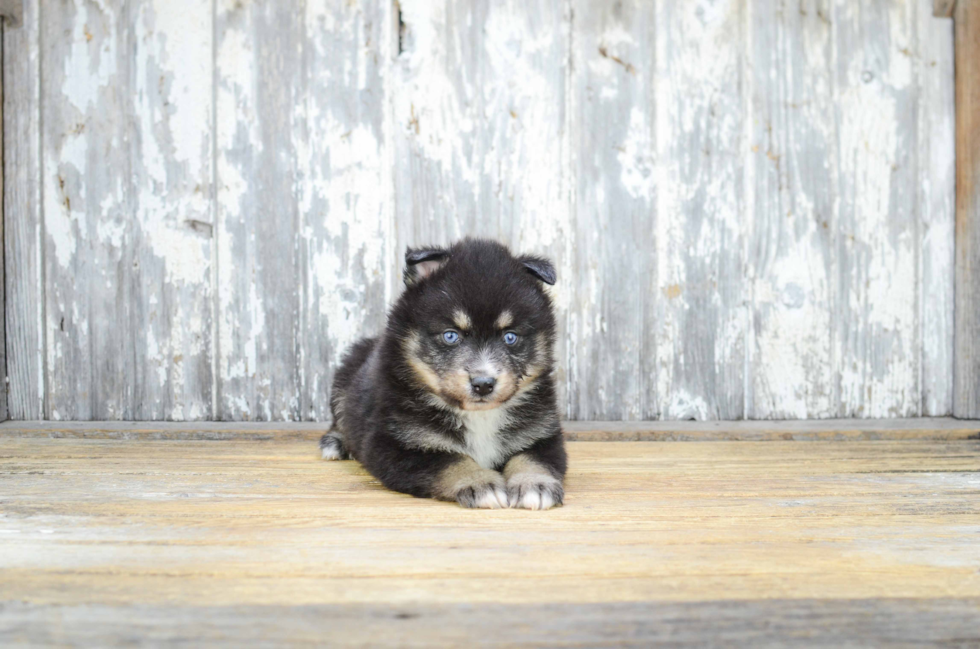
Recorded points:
(487, 496)
(332, 447)
(534, 491)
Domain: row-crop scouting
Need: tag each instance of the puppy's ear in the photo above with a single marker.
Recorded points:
(422, 262)
(540, 268)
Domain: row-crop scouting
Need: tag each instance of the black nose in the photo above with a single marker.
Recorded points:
(483, 385)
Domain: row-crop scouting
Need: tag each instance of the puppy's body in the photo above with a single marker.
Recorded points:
(456, 399)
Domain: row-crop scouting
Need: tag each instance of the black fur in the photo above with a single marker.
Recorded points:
(403, 403)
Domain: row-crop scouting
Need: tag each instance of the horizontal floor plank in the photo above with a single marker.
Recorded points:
(794, 622)
(925, 428)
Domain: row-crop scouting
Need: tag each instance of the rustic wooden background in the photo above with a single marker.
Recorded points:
(750, 203)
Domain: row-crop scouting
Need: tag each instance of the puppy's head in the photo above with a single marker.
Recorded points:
(475, 324)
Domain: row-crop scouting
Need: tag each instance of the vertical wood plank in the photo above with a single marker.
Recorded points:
(612, 359)
(478, 118)
(791, 211)
(966, 399)
(877, 332)
(699, 255)
(260, 99)
(126, 145)
(23, 228)
(3, 335)
(347, 236)
(479, 131)
(171, 169)
(89, 247)
(933, 59)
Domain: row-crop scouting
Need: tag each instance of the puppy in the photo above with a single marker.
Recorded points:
(456, 399)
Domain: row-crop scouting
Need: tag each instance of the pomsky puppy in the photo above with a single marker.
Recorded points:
(456, 399)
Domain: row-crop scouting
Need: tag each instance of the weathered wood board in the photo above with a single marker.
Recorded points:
(3, 337)
(303, 199)
(126, 160)
(966, 399)
(23, 224)
(750, 204)
(807, 623)
(810, 430)
(718, 543)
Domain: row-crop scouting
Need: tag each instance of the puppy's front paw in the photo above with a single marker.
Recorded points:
(472, 486)
(530, 485)
(486, 496)
(534, 492)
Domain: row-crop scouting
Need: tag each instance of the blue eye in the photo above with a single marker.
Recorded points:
(451, 337)
(510, 338)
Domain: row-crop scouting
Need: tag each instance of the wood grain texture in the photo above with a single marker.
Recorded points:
(346, 197)
(303, 199)
(479, 100)
(966, 396)
(835, 623)
(3, 335)
(877, 338)
(750, 204)
(791, 175)
(260, 104)
(612, 366)
(838, 430)
(23, 224)
(935, 126)
(171, 170)
(127, 177)
(90, 236)
(700, 326)
(139, 534)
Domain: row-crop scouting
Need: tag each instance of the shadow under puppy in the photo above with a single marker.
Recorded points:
(456, 399)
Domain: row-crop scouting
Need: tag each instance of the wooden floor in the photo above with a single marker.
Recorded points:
(244, 542)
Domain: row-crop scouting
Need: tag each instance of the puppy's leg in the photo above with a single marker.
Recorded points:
(534, 477)
(332, 447)
(471, 485)
(434, 474)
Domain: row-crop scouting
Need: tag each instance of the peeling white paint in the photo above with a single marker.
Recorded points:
(751, 227)
(83, 88)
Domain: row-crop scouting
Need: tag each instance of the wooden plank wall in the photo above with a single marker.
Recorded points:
(750, 204)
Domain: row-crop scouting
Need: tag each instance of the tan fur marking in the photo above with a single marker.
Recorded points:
(535, 369)
(505, 320)
(462, 320)
(456, 386)
(466, 473)
(522, 464)
(425, 374)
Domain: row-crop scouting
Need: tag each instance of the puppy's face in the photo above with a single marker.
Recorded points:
(481, 328)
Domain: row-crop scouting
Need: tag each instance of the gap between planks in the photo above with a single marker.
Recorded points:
(940, 429)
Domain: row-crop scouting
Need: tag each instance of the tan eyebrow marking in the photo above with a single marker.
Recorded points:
(505, 319)
(462, 320)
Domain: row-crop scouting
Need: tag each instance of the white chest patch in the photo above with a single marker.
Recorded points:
(483, 442)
